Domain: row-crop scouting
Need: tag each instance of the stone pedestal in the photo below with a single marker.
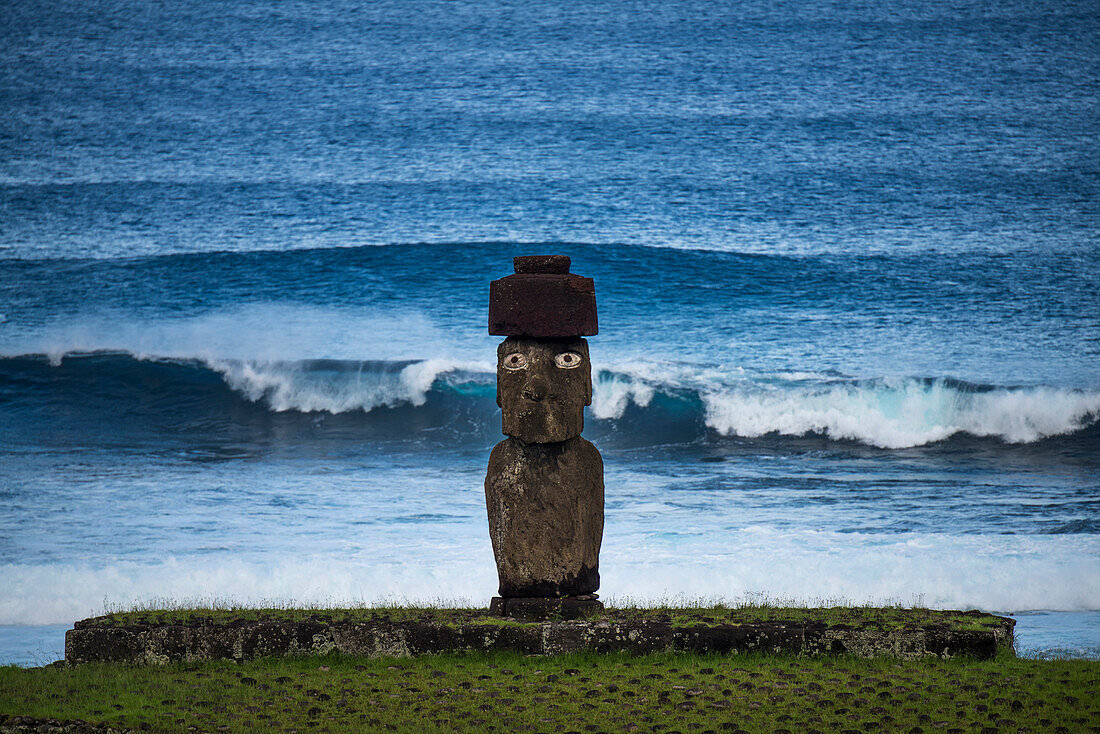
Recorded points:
(537, 608)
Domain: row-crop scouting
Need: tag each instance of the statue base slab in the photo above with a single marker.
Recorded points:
(537, 609)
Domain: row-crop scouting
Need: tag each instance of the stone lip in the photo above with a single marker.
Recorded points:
(92, 640)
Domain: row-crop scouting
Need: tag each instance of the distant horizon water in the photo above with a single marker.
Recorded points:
(845, 265)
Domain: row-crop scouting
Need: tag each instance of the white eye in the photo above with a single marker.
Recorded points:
(568, 360)
(514, 361)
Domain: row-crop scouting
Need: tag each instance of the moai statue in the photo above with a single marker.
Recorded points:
(544, 489)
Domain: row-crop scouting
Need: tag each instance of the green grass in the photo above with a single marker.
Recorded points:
(612, 693)
(884, 618)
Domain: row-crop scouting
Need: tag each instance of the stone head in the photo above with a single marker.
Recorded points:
(542, 387)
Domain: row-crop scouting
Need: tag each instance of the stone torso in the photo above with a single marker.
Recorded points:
(545, 503)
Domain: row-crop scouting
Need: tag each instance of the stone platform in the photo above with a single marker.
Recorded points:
(206, 638)
(538, 609)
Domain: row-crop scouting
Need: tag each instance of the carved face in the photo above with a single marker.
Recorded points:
(542, 388)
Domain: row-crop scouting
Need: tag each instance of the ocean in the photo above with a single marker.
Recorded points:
(845, 262)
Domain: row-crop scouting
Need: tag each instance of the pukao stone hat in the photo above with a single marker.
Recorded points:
(542, 299)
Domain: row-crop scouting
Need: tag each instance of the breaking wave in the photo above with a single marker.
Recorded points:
(654, 403)
(899, 413)
(333, 386)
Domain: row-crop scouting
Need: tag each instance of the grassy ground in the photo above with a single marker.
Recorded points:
(886, 618)
(580, 693)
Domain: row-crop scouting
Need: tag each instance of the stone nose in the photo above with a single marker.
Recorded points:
(535, 389)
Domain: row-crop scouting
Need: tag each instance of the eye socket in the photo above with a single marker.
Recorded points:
(514, 361)
(568, 360)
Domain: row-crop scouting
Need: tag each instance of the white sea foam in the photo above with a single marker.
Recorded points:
(612, 392)
(1002, 572)
(294, 386)
(900, 413)
(58, 594)
(258, 332)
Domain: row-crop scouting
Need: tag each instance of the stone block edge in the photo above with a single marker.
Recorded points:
(240, 640)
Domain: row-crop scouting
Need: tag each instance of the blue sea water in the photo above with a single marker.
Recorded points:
(845, 260)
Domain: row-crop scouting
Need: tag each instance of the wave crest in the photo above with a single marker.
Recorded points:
(331, 386)
(641, 404)
(613, 392)
(902, 413)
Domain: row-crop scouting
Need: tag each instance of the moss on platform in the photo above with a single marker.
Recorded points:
(879, 618)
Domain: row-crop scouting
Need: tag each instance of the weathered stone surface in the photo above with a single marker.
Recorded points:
(544, 264)
(385, 637)
(542, 388)
(537, 609)
(903, 643)
(606, 636)
(27, 724)
(765, 637)
(545, 505)
(949, 643)
(542, 299)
